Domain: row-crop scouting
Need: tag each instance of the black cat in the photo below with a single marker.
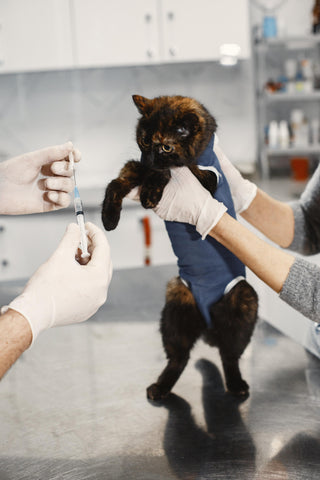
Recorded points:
(211, 297)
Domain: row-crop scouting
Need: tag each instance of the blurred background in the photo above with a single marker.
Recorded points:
(68, 69)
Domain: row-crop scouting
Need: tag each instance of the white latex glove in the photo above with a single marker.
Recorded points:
(185, 200)
(37, 181)
(62, 291)
(243, 191)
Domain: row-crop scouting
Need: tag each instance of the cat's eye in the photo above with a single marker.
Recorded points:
(144, 142)
(167, 148)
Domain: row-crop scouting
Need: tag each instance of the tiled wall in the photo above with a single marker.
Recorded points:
(94, 109)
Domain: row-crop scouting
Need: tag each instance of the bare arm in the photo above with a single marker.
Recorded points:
(15, 338)
(269, 263)
(273, 218)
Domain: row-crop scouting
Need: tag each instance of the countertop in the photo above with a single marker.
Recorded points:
(74, 406)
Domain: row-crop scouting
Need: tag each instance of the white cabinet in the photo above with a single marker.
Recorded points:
(120, 32)
(34, 35)
(194, 31)
(127, 241)
(40, 35)
(26, 241)
(115, 32)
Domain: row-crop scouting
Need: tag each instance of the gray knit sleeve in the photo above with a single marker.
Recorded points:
(301, 289)
(307, 218)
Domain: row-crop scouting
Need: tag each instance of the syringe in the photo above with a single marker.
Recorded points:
(78, 209)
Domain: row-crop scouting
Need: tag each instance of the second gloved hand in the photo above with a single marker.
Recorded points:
(185, 200)
(243, 191)
(62, 291)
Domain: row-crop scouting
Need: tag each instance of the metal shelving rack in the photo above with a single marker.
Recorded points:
(270, 51)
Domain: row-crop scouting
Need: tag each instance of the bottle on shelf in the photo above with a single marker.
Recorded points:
(273, 134)
(315, 124)
(299, 128)
(284, 135)
(306, 71)
(290, 68)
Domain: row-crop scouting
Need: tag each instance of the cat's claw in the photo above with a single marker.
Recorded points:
(110, 218)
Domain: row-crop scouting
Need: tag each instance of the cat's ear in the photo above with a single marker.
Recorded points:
(143, 104)
(189, 124)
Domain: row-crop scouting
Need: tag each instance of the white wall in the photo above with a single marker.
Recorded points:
(93, 108)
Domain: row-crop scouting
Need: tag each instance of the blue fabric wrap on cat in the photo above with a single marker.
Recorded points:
(206, 265)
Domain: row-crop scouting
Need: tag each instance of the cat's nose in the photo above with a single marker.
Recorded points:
(147, 159)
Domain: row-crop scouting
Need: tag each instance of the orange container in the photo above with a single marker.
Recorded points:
(300, 168)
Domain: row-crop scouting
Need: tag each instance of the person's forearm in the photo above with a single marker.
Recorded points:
(15, 338)
(273, 218)
(269, 263)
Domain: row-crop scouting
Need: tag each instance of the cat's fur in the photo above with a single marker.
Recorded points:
(175, 131)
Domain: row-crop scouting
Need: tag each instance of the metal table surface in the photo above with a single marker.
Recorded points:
(74, 406)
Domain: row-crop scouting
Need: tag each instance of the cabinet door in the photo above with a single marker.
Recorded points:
(34, 35)
(115, 32)
(26, 241)
(195, 30)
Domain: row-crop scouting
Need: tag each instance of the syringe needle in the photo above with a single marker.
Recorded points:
(71, 161)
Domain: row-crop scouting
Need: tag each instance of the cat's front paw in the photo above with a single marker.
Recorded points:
(154, 392)
(110, 216)
(150, 198)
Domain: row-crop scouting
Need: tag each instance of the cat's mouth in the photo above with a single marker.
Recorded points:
(162, 161)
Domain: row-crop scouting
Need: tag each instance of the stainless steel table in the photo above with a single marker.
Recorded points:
(74, 406)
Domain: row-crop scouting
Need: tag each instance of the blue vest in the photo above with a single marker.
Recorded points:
(206, 265)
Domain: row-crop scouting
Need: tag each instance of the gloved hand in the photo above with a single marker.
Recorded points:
(243, 191)
(37, 181)
(62, 291)
(185, 200)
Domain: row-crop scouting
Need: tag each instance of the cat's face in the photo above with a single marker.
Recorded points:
(173, 131)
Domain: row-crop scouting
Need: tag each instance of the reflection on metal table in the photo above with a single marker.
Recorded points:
(74, 406)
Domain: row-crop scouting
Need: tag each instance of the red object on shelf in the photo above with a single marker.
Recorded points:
(147, 239)
(300, 168)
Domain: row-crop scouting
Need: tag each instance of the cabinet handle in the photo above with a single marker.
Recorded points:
(2, 228)
(4, 263)
(171, 34)
(148, 17)
(150, 53)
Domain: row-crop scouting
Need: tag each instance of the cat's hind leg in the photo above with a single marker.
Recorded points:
(234, 318)
(181, 325)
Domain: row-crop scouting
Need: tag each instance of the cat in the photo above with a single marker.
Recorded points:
(210, 298)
